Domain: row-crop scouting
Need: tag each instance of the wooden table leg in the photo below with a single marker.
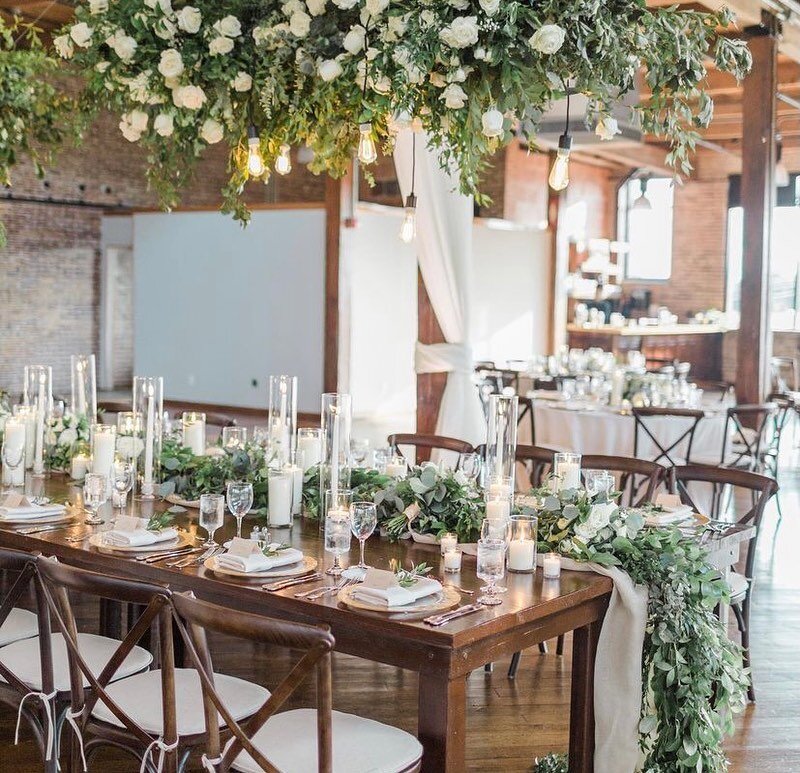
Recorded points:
(581, 719)
(442, 723)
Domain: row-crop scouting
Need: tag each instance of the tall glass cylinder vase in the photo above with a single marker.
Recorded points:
(39, 389)
(334, 473)
(282, 416)
(83, 401)
(148, 410)
(501, 439)
(104, 447)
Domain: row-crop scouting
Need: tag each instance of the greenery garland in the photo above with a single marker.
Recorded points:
(470, 73)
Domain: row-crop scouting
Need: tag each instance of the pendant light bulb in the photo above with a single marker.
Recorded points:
(408, 229)
(283, 163)
(255, 162)
(559, 174)
(367, 153)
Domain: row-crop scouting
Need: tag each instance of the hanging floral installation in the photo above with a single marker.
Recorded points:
(342, 76)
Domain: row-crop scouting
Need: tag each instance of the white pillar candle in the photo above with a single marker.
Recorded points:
(521, 555)
(30, 435)
(81, 387)
(280, 500)
(311, 447)
(79, 466)
(452, 560)
(499, 489)
(569, 475)
(396, 469)
(103, 450)
(194, 436)
(617, 387)
(335, 458)
(147, 483)
(498, 509)
(14, 440)
(447, 542)
(551, 565)
(296, 473)
(38, 454)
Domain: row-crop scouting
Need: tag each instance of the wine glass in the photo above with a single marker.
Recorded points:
(122, 482)
(598, 482)
(363, 520)
(337, 537)
(491, 568)
(470, 464)
(95, 495)
(212, 508)
(240, 500)
(358, 452)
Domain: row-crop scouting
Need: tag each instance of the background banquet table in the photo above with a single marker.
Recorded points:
(532, 611)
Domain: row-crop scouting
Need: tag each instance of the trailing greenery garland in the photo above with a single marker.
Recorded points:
(470, 73)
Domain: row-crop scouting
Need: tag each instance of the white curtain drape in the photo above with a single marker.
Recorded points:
(444, 249)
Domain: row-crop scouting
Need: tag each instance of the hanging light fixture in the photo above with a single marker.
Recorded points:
(283, 163)
(367, 153)
(642, 202)
(559, 173)
(408, 229)
(255, 162)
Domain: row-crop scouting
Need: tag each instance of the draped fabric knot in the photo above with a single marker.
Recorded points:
(211, 764)
(71, 717)
(49, 713)
(163, 749)
(443, 358)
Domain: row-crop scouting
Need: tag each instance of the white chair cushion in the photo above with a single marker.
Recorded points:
(20, 624)
(289, 741)
(22, 659)
(738, 584)
(139, 697)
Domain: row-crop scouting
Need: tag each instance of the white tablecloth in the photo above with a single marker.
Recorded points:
(604, 431)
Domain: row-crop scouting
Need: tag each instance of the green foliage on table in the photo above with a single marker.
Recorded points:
(552, 763)
(435, 502)
(406, 578)
(160, 521)
(692, 673)
(67, 437)
(471, 74)
(366, 485)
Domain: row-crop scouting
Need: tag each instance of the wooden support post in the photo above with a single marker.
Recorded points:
(758, 196)
(430, 386)
(333, 224)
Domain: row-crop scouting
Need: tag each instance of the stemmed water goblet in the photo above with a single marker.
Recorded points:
(122, 482)
(470, 465)
(337, 538)
(363, 520)
(212, 509)
(359, 449)
(95, 495)
(491, 568)
(240, 500)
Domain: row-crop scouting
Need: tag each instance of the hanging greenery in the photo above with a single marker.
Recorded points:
(331, 74)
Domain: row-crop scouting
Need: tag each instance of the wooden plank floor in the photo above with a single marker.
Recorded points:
(510, 722)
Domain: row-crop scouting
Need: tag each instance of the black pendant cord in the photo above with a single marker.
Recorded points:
(413, 160)
(566, 122)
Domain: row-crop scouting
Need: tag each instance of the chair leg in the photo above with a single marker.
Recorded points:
(543, 647)
(560, 645)
(512, 669)
(488, 667)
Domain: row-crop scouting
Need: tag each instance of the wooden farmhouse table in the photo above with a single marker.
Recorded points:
(533, 610)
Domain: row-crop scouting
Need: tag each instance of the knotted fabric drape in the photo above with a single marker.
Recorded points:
(444, 250)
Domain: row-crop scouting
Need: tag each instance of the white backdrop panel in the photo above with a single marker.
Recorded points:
(218, 307)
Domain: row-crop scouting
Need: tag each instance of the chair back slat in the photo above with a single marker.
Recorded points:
(739, 419)
(638, 479)
(668, 453)
(427, 443)
(537, 461)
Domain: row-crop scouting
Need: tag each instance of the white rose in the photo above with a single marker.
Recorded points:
(329, 69)
(316, 7)
(458, 75)
(124, 45)
(170, 65)
(139, 87)
(355, 39)
(133, 124)
(220, 45)
(300, 24)
(547, 39)
(454, 97)
(492, 122)
(102, 66)
(229, 27)
(190, 97)
(211, 131)
(437, 79)
(165, 29)
(459, 5)
(67, 437)
(585, 532)
(607, 127)
(64, 46)
(345, 4)
(81, 34)
(490, 7)
(189, 19)
(96, 7)
(427, 18)
(461, 32)
(242, 82)
(383, 85)
(600, 515)
(375, 7)
(163, 124)
(291, 7)
(166, 7)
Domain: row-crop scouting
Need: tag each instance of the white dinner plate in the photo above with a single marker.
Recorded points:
(46, 519)
(308, 564)
(96, 541)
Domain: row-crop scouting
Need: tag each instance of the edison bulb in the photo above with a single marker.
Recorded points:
(255, 163)
(283, 163)
(367, 153)
(559, 174)
(408, 228)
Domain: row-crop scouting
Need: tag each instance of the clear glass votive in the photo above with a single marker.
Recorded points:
(522, 544)
(452, 561)
(567, 471)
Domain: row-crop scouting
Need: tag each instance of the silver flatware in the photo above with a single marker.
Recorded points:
(308, 593)
(282, 584)
(437, 620)
(150, 558)
(40, 529)
(182, 563)
(78, 537)
(461, 590)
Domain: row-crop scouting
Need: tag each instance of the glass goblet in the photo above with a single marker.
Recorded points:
(470, 464)
(95, 495)
(359, 449)
(363, 520)
(240, 500)
(122, 482)
(491, 568)
(337, 538)
(212, 509)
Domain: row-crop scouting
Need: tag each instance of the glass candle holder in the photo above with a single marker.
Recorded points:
(330, 501)
(234, 439)
(567, 471)
(501, 437)
(452, 560)
(295, 468)
(309, 441)
(103, 438)
(194, 432)
(148, 410)
(447, 542)
(13, 451)
(83, 386)
(282, 415)
(39, 393)
(522, 544)
(336, 421)
(396, 467)
(279, 512)
(27, 415)
(551, 566)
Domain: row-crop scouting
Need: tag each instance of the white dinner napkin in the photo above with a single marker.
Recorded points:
(19, 508)
(382, 587)
(244, 555)
(129, 531)
(673, 511)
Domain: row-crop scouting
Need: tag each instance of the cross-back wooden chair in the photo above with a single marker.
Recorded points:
(760, 489)
(538, 462)
(678, 448)
(428, 443)
(786, 406)
(746, 428)
(34, 700)
(298, 740)
(637, 479)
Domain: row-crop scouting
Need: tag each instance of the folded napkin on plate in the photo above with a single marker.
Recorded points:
(132, 532)
(19, 508)
(673, 511)
(381, 587)
(244, 555)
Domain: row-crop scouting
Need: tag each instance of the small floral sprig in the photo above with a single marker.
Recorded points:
(406, 578)
(67, 436)
(271, 551)
(160, 521)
